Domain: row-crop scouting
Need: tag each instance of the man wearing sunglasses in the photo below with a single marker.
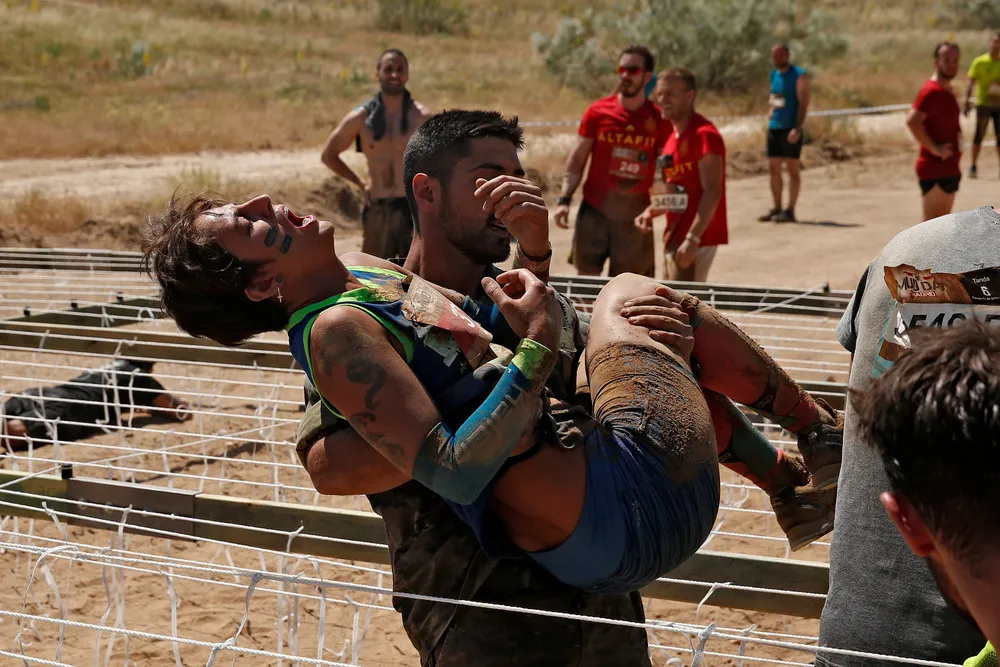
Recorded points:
(622, 135)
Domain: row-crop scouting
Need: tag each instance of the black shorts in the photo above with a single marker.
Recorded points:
(779, 146)
(983, 117)
(949, 185)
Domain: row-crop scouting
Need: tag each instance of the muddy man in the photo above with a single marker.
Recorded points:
(380, 128)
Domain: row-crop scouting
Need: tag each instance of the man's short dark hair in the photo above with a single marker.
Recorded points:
(444, 139)
(391, 52)
(682, 73)
(943, 45)
(648, 62)
(935, 419)
(201, 284)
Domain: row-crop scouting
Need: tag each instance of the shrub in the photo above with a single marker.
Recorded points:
(975, 14)
(423, 17)
(726, 44)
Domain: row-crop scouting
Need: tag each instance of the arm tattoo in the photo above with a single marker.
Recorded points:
(393, 452)
(364, 371)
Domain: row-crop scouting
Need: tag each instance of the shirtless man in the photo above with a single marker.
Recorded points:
(380, 128)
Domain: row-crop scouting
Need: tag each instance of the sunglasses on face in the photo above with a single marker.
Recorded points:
(631, 70)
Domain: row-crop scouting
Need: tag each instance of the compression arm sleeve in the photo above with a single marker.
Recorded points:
(458, 465)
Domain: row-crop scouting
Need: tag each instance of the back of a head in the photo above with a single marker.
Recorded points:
(444, 139)
(201, 284)
(935, 419)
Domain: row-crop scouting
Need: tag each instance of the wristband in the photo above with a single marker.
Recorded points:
(530, 357)
(533, 258)
(564, 200)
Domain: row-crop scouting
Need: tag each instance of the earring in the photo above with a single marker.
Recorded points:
(279, 295)
(278, 282)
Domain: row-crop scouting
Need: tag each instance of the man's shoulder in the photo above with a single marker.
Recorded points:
(603, 105)
(799, 71)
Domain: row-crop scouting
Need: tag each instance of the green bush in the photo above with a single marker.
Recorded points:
(423, 17)
(726, 44)
(975, 14)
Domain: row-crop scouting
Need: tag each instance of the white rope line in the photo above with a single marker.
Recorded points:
(159, 375)
(139, 634)
(138, 355)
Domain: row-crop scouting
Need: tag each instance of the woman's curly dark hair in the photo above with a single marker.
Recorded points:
(201, 284)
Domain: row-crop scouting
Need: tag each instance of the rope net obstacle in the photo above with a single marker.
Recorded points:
(165, 542)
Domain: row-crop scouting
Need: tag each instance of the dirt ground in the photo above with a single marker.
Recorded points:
(849, 212)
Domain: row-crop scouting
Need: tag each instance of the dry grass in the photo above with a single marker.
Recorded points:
(123, 76)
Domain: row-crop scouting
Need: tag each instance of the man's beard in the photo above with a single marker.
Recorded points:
(949, 593)
(945, 76)
(481, 246)
(392, 89)
(630, 94)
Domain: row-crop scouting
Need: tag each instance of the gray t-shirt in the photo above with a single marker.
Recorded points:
(882, 597)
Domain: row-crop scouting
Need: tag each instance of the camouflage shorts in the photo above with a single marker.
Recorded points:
(598, 238)
(489, 638)
(388, 228)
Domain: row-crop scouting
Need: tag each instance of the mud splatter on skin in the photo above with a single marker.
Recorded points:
(640, 388)
(733, 364)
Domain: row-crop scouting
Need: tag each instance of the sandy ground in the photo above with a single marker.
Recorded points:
(848, 211)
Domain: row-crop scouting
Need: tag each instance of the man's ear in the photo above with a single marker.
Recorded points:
(261, 288)
(909, 523)
(428, 193)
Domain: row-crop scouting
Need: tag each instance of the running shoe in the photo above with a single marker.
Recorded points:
(973, 172)
(770, 215)
(804, 513)
(822, 447)
(788, 215)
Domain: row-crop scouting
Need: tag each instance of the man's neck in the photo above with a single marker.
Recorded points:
(995, 55)
(941, 81)
(445, 266)
(322, 284)
(631, 103)
(392, 102)
(681, 124)
(785, 68)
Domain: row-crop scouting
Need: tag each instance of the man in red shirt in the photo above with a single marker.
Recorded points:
(934, 121)
(694, 169)
(622, 134)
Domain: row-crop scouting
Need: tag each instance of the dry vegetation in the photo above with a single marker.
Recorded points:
(105, 77)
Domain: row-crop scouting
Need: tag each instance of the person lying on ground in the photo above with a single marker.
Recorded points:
(90, 403)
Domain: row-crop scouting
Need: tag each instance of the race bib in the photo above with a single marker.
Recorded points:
(933, 300)
(777, 101)
(672, 203)
(629, 163)
(993, 93)
(668, 197)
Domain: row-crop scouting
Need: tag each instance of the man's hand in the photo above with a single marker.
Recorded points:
(517, 203)
(644, 221)
(794, 135)
(687, 253)
(366, 194)
(667, 323)
(967, 109)
(529, 306)
(561, 216)
(943, 151)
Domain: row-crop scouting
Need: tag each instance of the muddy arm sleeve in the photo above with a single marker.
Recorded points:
(459, 464)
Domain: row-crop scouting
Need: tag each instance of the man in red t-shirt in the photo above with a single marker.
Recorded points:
(934, 121)
(694, 169)
(622, 134)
